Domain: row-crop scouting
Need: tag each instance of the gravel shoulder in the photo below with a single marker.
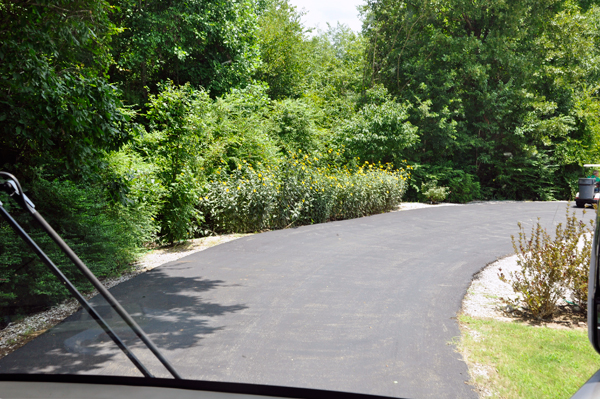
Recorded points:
(483, 298)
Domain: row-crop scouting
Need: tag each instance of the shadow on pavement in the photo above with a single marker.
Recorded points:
(170, 309)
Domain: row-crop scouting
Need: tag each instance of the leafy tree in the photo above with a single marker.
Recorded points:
(336, 60)
(56, 105)
(174, 147)
(494, 85)
(334, 79)
(380, 130)
(294, 121)
(190, 138)
(283, 49)
(206, 43)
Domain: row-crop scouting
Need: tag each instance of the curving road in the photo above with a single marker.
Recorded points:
(366, 305)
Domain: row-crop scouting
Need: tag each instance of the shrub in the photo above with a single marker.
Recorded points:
(304, 190)
(463, 187)
(105, 237)
(294, 125)
(174, 147)
(191, 136)
(551, 267)
(380, 131)
(433, 193)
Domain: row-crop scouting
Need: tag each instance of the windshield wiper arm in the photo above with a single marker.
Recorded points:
(12, 187)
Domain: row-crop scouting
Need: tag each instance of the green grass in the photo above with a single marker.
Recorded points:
(524, 361)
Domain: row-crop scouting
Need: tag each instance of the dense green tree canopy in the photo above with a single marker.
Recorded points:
(283, 50)
(496, 86)
(56, 103)
(212, 44)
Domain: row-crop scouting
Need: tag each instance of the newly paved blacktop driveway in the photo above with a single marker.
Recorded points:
(366, 305)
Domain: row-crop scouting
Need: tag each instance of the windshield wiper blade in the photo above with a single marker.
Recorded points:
(12, 187)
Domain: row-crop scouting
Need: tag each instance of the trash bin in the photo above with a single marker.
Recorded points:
(586, 188)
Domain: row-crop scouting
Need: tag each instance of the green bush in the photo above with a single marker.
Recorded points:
(174, 148)
(239, 127)
(433, 193)
(107, 238)
(295, 125)
(304, 190)
(380, 131)
(462, 186)
(551, 267)
(191, 136)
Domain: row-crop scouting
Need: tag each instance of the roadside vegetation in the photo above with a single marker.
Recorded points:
(517, 360)
(136, 122)
(553, 268)
(540, 349)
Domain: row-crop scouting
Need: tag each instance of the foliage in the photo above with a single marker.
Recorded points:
(105, 237)
(463, 187)
(240, 128)
(552, 265)
(174, 147)
(334, 80)
(190, 136)
(433, 193)
(56, 104)
(204, 43)
(306, 190)
(496, 88)
(283, 50)
(379, 131)
(525, 361)
(294, 123)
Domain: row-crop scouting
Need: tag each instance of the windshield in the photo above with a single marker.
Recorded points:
(356, 306)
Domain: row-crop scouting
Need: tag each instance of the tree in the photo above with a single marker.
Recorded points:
(379, 131)
(56, 104)
(494, 85)
(204, 43)
(283, 50)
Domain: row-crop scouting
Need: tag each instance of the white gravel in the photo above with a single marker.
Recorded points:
(483, 297)
(407, 206)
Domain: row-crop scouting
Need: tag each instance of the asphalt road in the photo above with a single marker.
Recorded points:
(366, 305)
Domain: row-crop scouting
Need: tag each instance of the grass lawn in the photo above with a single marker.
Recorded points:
(517, 360)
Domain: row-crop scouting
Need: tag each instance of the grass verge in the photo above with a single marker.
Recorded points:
(517, 360)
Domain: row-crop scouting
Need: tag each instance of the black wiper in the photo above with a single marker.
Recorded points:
(12, 187)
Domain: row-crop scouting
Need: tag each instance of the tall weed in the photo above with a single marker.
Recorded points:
(551, 267)
(304, 190)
